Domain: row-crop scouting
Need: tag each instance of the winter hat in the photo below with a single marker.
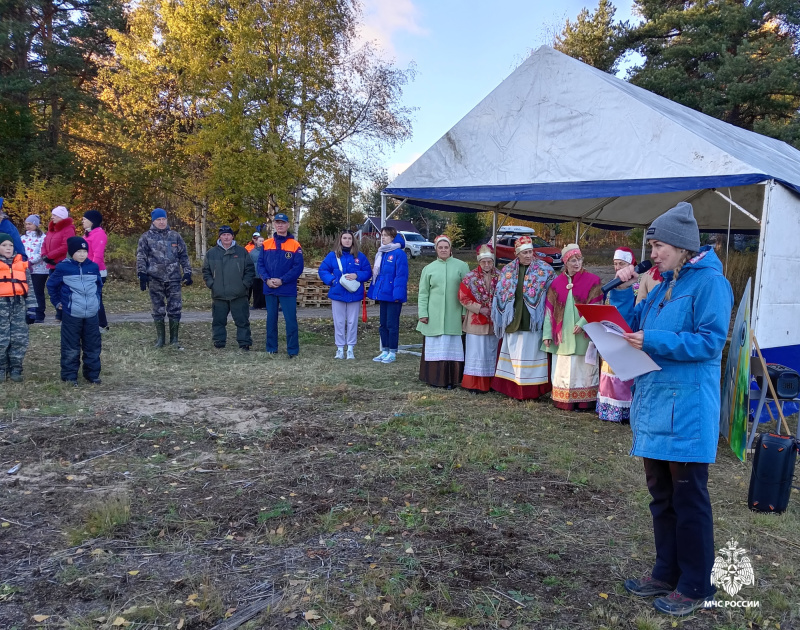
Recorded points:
(5, 237)
(34, 218)
(158, 213)
(61, 212)
(676, 227)
(76, 243)
(442, 237)
(94, 216)
(225, 229)
(573, 249)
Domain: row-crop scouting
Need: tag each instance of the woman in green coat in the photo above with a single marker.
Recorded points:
(440, 318)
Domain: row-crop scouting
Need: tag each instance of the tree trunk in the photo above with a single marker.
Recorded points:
(198, 238)
(203, 229)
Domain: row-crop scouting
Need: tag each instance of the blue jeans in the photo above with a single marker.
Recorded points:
(682, 525)
(80, 334)
(289, 308)
(390, 325)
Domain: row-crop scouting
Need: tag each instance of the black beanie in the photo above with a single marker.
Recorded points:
(76, 243)
(94, 216)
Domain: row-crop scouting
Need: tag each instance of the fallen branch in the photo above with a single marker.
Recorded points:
(246, 614)
(86, 461)
(494, 590)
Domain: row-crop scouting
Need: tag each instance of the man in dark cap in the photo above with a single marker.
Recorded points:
(229, 272)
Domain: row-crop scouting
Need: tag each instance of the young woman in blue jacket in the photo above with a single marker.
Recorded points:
(390, 288)
(345, 261)
(682, 324)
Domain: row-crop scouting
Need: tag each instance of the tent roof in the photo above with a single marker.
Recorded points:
(562, 140)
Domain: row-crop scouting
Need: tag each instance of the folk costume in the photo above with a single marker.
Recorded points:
(574, 380)
(517, 316)
(614, 395)
(476, 294)
(442, 363)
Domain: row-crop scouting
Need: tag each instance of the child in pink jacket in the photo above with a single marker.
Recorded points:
(97, 239)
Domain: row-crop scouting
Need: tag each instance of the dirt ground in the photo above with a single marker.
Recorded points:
(216, 489)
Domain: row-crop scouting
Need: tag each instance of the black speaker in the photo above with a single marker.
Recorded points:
(786, 381)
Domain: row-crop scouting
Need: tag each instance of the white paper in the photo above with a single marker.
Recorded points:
(626, 361)
(591, 354)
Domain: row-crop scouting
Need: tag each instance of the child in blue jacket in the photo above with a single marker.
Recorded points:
(345, 261)
(390, 288)
(75, 287)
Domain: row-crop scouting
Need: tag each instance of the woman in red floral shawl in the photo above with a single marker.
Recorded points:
(475, 294)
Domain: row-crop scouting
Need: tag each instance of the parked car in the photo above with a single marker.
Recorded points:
(417, 245)
(504, 251)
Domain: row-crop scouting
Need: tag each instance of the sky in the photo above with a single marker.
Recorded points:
(461, 51)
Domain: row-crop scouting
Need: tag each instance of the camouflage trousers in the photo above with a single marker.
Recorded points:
(169, 292)
(13, 334)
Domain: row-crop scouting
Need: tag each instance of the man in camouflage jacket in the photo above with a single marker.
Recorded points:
(162, 262)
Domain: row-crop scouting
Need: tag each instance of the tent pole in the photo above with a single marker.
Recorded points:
(494, 229)
(644, 244)
(383, 210)
(737, 206)
(397, 208)
(728, 238)
(578, 232)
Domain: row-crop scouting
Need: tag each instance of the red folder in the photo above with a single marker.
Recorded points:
(602, 313)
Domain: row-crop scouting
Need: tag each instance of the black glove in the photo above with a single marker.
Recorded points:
(187, 279)
(143, 280)
(30, 316)
(49, 261)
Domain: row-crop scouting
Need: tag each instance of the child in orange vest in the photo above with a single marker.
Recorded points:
(17, 310)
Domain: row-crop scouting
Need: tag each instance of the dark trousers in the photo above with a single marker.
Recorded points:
(80, 334)
(240, 311)
(101, 313)
(682, 525)
(39, 283)
(289, 307)
(257, 293)
(390, 325)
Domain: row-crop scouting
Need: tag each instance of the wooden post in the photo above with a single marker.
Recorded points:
(771, 388)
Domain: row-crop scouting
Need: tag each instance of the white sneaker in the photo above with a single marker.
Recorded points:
(350, 354)
(391, 357)
(381, 356)
(339, 353)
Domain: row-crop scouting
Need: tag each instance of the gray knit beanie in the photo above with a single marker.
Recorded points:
(676, 227)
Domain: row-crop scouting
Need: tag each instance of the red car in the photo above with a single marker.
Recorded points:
(504, 251)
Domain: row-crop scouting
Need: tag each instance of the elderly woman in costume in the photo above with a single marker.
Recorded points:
(517, 315)
(614, 395)
(440, 315)
(574, 380)
(475, 294)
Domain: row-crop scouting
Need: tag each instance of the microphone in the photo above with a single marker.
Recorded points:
(643, 266)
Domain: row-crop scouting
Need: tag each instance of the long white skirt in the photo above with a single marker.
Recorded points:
(481, 355)
(522, 360)
(444, 348)
(574, 381)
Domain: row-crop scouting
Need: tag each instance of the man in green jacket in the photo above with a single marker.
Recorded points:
(229, 272)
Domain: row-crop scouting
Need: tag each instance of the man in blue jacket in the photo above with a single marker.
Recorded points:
(279, 266)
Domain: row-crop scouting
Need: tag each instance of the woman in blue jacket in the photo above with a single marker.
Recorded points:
(345, 261)
(682, 324)
(390, 288)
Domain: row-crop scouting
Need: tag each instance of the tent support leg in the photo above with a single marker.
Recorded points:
(737, 206)
(578, 232)
(644, 244)
(400, 205)
(383, 210)
(494, 229)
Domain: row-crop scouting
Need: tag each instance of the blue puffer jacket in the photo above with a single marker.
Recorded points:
(7, 227)
(76, 287)
(282, 257)
(329, 273)
(391, 285)
(675, 411)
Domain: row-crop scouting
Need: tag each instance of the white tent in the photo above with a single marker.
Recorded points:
(561, 140)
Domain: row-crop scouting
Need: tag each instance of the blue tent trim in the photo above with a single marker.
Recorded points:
(558, 191)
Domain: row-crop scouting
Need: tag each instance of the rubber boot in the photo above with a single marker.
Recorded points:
(174, 325)
(160, 333)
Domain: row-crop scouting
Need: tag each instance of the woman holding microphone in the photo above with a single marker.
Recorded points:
(682, 324)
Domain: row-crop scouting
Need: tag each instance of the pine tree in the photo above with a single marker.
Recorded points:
(591, 38)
